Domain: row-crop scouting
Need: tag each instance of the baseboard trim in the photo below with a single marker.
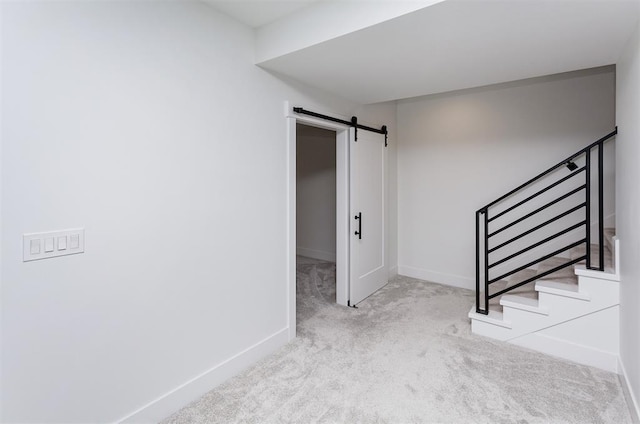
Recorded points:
(437, 277)
(574, 352)
(172, 401)
(316, 254)
(629, 395)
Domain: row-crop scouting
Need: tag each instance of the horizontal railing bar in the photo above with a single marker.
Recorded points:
(544, 258)
(533, 246)
(533, 196)
(537, 227)
(537, 277)
(553, 168)
(541, 208)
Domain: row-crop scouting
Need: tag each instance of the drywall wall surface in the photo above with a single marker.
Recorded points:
(147, 124)
(461, 150)
(628, 208)
(316, 192)
(1, 197)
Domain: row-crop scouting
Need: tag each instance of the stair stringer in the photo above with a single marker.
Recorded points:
(591, 339)
(555, 305)
(578, 323)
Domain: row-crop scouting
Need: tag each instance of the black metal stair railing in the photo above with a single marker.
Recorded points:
(494, 259)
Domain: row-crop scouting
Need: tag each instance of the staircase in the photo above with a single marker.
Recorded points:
(547, 272)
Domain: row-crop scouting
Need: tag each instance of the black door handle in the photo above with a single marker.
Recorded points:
(359, 232)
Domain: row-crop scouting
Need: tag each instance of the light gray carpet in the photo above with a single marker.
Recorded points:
(406, 355)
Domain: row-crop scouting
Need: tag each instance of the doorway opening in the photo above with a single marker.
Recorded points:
(315, 219)
(340, 142)
(360, 205)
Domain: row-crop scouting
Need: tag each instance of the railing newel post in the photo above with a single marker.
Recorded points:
(588, 209)
(478, 310)
(486, 261)
(600, 207)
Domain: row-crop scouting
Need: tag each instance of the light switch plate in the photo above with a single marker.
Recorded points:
(52, 248)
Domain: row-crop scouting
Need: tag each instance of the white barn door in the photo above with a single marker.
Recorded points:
(368, 266)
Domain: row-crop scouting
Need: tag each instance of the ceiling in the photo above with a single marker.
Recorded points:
(455, 44)
(256, 13)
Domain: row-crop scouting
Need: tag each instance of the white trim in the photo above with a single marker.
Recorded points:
(629, 395)
(291, 225)
(342, 216)
(316, 122)
(437, 277)
(581, 270)
(172, 401)
(342, 208)
(316, 254)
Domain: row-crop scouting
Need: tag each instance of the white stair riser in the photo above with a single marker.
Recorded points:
(602, 290)
(565, 307)
(493, 331)
(523, 322)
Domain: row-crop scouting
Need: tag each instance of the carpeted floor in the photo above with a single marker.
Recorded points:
(406, 355)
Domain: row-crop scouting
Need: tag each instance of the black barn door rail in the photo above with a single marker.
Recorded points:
(353, 123)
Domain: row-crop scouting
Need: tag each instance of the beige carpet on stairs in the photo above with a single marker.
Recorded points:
(406, 355)
(565, 275)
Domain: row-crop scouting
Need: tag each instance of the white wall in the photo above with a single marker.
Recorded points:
(316, 192)
(461, 150)
(628, 208)
(147, 124)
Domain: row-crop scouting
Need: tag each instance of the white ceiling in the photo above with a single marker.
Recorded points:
(257, 13)
(453, 45)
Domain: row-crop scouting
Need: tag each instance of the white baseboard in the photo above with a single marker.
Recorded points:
(316, 254)
(191, 390)
(437, 277)
(629, 395)
(581, 354)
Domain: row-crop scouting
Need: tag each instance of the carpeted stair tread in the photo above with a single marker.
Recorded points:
(609, 234)
(519, 276)
(566, 274)
(579, 251)
(528, 290)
